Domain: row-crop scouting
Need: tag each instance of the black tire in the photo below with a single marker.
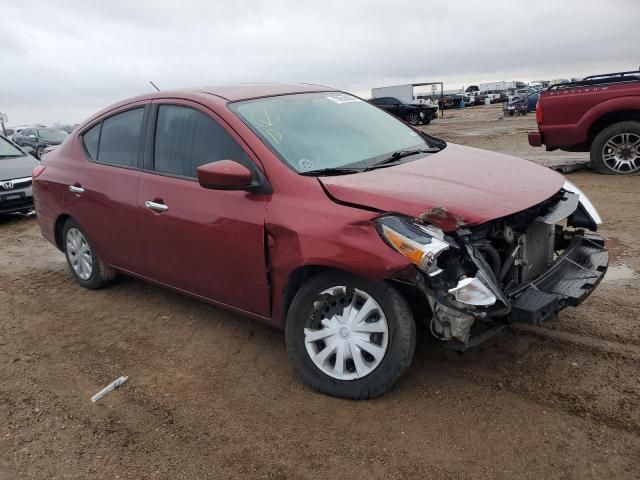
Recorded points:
(400, 347)
(598, 162)
(40, 152)
(101, 274)
(426, 121)
(412, 118)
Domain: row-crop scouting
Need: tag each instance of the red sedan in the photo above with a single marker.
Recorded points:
(319, 213)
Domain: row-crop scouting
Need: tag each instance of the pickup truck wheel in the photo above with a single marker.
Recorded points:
(349, 337)
(85, 265)
(616, 149)
(413, 118)
(426, 121)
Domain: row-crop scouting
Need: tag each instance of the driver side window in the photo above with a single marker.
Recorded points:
(187, 138)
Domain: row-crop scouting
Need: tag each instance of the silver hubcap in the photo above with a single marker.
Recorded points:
(79, 254)
(352, 336)
(621, 153)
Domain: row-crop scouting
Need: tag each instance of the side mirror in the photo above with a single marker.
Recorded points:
(32, 135)
(225, 175)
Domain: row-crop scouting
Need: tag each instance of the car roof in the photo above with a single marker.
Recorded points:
(232, 93)
(245, 91)
(241, 91)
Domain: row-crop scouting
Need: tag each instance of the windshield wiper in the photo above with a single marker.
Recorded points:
(395, 156)
(11, 156)
(332, 171)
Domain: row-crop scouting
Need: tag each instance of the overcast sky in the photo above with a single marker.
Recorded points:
(63, 60)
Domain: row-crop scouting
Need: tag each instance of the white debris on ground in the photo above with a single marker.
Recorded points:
(109, 388)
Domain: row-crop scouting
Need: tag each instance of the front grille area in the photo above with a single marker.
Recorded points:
(16, 205)
(10, 184)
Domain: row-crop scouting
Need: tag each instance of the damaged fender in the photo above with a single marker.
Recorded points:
(308, 240)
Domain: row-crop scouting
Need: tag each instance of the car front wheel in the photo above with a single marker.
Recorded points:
(85, 265)
(413, 118)
(349, 337)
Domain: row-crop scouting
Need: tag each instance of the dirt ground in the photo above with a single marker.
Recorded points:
(212, 394)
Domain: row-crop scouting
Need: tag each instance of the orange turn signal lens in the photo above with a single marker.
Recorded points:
(404, 245)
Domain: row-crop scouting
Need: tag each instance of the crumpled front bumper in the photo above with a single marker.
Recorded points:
(568, 282)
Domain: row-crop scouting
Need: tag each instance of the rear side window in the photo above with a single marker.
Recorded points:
(90, 140)
(120, 137)
(186, 138)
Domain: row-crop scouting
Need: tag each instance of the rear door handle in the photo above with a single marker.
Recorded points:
(160, 207)
(76, 189)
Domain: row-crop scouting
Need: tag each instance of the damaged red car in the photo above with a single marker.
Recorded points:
(321, 214)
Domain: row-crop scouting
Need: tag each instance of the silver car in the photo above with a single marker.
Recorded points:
(16, 166)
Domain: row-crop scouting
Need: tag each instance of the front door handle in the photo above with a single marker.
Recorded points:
(160, 207)
(76, 189)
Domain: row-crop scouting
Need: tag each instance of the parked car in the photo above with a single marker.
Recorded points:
(452, 100)
(522, 102)
(496, 96)
(39, 138)
(67, 128)
(599, 114)
(318, 213)
(15, 178)
(476, 98)
(412, 113)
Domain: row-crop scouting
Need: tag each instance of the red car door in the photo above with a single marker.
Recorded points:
(206, 242)
(102, 189)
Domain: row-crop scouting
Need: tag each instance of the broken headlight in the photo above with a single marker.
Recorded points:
(419, 243)
(472, 291)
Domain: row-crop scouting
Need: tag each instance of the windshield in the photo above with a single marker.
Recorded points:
(316, 131)
(51, 134)
(8, 150)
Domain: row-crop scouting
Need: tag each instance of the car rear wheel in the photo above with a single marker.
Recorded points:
(413, 118)
(349, 337)
(616, 149)
(85, 265)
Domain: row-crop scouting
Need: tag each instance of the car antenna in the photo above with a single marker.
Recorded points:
(154, 85)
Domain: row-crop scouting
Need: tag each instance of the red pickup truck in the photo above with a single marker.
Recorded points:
(599, 114)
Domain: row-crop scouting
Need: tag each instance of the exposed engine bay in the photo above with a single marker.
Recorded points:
(521, 268)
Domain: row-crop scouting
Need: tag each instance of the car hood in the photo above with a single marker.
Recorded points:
(18, 167)
(454, 187)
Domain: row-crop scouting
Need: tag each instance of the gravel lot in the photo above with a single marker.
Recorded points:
(212, 394)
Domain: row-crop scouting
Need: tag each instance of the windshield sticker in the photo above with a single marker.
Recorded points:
(267, 119)
(305, 164)
(342, 98)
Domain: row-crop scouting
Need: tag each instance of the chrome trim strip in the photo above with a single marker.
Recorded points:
(17, 180)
